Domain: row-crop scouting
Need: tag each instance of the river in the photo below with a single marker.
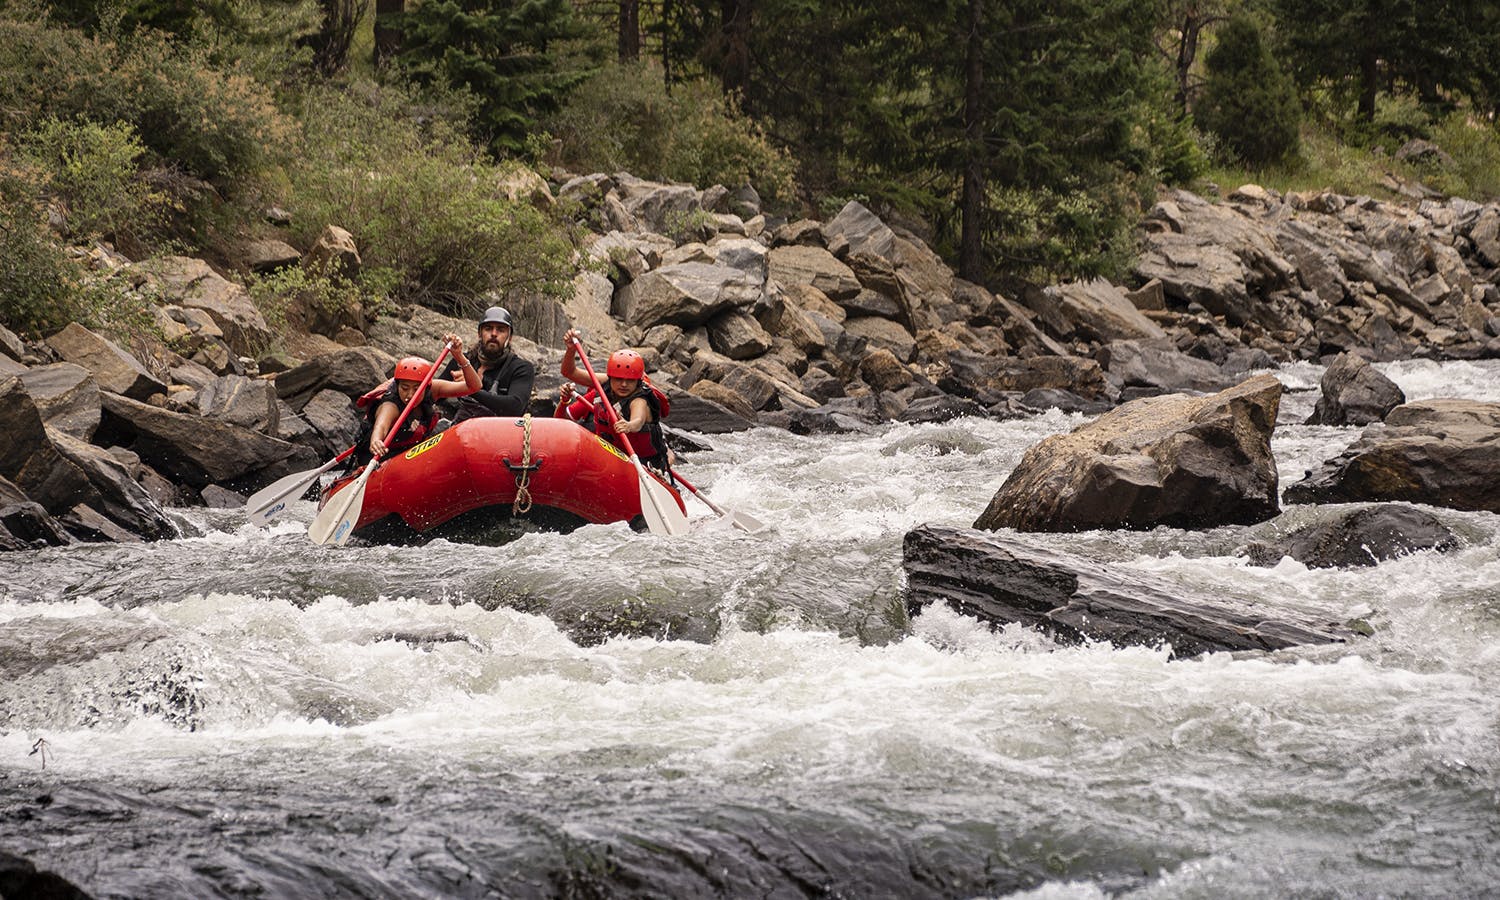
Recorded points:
(239, 712)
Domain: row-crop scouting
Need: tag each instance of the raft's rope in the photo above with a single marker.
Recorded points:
(522, 504)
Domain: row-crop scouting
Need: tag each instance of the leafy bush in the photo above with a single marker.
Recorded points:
(1474, 145)
(214, 122)
(91, 170)
(1248, 101)
(421, 200)
(1044, 234)
(38, 284)
(625, 119)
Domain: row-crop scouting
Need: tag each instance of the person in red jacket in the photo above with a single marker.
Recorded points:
(384, 404)
(638, 405)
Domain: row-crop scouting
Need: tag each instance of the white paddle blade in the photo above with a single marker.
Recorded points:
(663, 515)
(746, 522)
(335, 522)
(270, 501)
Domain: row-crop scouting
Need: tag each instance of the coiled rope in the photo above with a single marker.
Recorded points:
(522, 504)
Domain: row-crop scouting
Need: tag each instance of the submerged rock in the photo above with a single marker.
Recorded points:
(1003, 579)
(1361, 537)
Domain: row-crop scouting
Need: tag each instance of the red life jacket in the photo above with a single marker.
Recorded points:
(413, 431)
(648, 443)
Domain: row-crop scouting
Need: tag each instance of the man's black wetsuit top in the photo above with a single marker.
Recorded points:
(505, 389)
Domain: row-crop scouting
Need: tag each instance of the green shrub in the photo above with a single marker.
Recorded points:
(1043, 234)
(1248, 101)
(91, 170)
(39, 285)
(421, 200)
(214, 122)
(1474, 145)
(625, 120)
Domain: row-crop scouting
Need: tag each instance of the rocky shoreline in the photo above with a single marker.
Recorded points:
(751, 321)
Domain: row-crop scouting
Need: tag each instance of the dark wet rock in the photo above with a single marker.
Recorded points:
(26, 524)
(28, 457)
(970, 373)
(842, 415)
(1091, 311)
(88, 525)
(113, 492)
(1436, 452)
(66, 396)
(20, 879)
(197, 451)
(1354, 393)
(113, 368)
(941, 409)
(1067, 401)
(1184, 462)
(1002, 579)
(1360, 537)
(737, 335)
(215, 497)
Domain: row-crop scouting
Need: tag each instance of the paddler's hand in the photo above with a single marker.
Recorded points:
(565, 393)
(377, 448)
(622, 426)
(458, 344)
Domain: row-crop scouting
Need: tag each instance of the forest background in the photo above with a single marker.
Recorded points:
(1023, 139)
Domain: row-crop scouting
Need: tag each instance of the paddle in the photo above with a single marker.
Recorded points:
(743, 521)
(336, 520)
(658, 506)
(270, 501)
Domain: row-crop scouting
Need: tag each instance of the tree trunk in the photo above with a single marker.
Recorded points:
(387, 35)
(630, 30)
(1369, 84)
(734, 26)
(971, 241)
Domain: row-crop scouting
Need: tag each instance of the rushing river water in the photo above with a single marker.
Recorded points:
(239, 712)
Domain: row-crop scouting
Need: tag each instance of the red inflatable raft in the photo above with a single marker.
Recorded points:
(462, 483)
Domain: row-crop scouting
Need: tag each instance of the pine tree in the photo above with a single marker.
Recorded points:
(1248, 101)
(501, 52)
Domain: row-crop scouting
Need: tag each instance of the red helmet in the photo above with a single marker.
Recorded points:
(412, 368)
(626, 364)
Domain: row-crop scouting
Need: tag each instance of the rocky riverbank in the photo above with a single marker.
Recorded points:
(748, 320)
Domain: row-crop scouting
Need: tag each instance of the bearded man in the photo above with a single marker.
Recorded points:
(505, 379)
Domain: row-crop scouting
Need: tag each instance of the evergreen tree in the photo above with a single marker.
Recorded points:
(1248, 102)
(502, 52)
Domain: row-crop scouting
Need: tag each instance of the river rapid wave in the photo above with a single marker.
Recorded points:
(617, 714)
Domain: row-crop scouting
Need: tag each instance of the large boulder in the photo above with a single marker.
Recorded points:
(247, 402)
(1143, 368)
(1007, 579)
(1354, 393)
(685, 294)
(113, 369)
(662, 208)
(1179, 461)
(1437, 452)
(198, 452)
(814, 266)
(1091, 311)
(860, 231)
(706, 410)
(28, 457)
(737, 335)
(115, 494)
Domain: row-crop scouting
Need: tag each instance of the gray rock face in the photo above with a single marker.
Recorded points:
(115, 494)
(685, 294)
(1156, 367)
(814, 266)
(351, 372)
(192, 284)
(1002, 579)
(67, 397)
(27, 455)
(1184, 462)
(695, 411)
(861, 231)
(247, 402)
(1091, 311)
(737, 335)
(1361, 537)
(1437, 452)
(1354, 393)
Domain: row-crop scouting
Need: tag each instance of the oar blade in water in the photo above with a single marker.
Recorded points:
(658, 506)
(335, 522)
